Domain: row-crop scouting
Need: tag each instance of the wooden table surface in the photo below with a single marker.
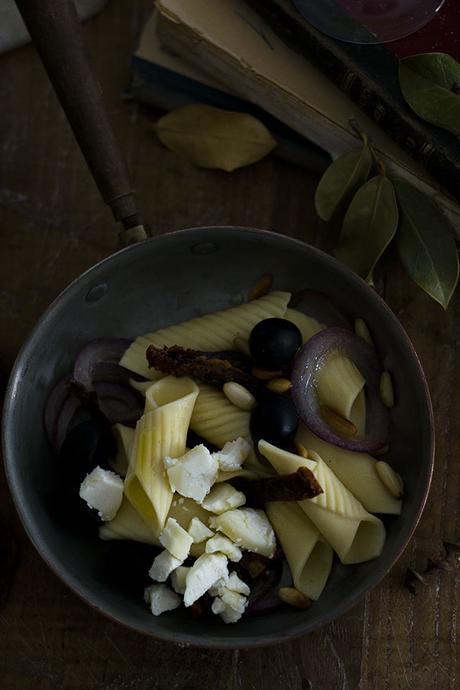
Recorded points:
(53, 227)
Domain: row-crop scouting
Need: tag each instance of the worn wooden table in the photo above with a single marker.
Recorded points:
(53, 226)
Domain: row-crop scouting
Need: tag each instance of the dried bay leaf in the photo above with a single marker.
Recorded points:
(341, 180)
(369, 225)
(426, 243)
(214, 138)
(430, 84)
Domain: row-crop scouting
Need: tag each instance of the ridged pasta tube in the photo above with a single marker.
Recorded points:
(356, 471)
(216, 419)
(160, 432)
(308, 555)
(354, 534)
(212, 332)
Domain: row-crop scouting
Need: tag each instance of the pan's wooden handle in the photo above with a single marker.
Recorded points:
(55, 29)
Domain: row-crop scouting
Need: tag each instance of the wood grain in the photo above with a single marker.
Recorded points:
(54, 226)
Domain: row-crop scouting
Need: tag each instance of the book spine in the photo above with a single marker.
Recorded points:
(394, 117)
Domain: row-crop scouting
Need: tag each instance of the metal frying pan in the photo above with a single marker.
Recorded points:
(154, 283)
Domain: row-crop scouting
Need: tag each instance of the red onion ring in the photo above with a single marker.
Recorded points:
(59, 410)
(309, 360)
(99, 353)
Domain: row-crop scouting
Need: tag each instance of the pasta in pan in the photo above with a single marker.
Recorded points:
(214, 475)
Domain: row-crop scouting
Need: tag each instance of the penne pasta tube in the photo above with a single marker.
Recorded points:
(308, 555)
(213, 332)
(356, 471)
(161, 431)
(354, 534)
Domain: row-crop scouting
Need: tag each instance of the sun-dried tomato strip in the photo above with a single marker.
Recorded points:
(296, 486)
(214, 368)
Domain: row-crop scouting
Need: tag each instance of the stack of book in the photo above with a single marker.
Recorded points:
(267, 61)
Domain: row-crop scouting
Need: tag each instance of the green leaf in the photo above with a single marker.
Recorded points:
(341, 180)
(426, 243)
(214, 138)
(430, 83)
(369, 225)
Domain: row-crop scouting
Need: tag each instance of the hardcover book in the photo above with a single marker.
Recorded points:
(235, 46)
(368, 74)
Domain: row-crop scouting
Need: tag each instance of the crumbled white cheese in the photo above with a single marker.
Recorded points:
(103, 491)
(229, 606)
(233, 454)
(176, 539)
(223, 497)
(236, 584)
(218, 587)
(198, 531)
(249, 528)
(163, 565)
(193, 474)
(203, 574)
(224, 545)
(160, 599)
(178, 578)
(234, 600)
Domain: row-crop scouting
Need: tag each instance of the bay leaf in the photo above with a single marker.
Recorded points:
(341, 180)
(430, 84)
(426, 243)
(214, 138)
(369, 225)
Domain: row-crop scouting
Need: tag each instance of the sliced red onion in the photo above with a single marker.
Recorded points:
(310, 358)
(59, 410)
(68, 411)
(54, 404)
(321, 307)
(98, 353)
(119, 403)
(264, 592)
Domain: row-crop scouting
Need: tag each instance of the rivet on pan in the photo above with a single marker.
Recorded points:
(204, 248)
(97, 292)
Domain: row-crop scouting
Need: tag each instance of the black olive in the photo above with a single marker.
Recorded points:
(275, 419)
(274, 342)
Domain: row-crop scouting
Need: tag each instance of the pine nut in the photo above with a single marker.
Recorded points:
(239, 395)
(301, 450)
(279, 385)
(337, 422)
(362, 330)
(292, 596)
(391, 479)
(261, 287)
(386, 389)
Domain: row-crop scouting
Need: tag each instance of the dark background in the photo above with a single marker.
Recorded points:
(53, 226)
